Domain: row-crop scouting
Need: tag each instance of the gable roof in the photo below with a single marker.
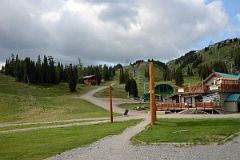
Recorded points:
(232, 98)
(87, 77)
(224, 75)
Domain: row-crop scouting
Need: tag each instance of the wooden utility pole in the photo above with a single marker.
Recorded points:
(152, 95)
(110, 104)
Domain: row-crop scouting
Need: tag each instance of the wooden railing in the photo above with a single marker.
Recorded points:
(204, 105)
(230, 87)
(204, 89)
(180, 106)
(171, 106)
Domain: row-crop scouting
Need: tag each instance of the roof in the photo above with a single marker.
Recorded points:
(231, 76)
(90, 76)
(233, 98)
(224, 75)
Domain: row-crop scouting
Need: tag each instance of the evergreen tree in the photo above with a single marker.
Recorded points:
(17, 69)
(237, 61)
(204, 71)
(173, 75)
(72, 78)
(97, 73)
(27, 70)
(52, 71)
(219, 67)
(106, 75)
(189, 71)
(121, 76)
(39, 75)
(167, 76)
(146, 73)
(131, 87)
(45, 70)
(179, 77)
(127, 85)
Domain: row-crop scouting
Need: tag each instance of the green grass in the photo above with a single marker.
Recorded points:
(191, 80)
(196, 131)
(20, 102)
(132, 106)
(40, 144)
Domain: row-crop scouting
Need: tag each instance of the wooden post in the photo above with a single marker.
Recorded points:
(110, 104)
(152, 95)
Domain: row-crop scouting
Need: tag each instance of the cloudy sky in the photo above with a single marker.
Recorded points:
(113, 31)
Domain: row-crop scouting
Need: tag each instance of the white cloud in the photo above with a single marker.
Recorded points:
(238, 17)
(110, 31)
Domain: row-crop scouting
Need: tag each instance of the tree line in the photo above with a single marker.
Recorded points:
(44, 71)
(47, 72)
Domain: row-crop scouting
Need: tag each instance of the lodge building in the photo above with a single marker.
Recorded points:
(217, 91)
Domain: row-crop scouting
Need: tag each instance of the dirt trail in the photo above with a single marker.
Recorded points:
(104, 103)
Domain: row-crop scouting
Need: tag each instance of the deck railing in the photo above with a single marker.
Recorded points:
(180, 106)
(171, 106)
(204, 105)
(230, 87)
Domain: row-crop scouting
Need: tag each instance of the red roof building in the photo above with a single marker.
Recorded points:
(90, 80)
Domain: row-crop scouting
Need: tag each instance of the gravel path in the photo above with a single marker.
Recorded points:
(104, 103)
(118, 148)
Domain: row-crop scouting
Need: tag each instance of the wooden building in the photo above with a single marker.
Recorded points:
(218, 90)
(90, 80)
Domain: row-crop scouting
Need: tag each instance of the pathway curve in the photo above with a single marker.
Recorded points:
(104, 102)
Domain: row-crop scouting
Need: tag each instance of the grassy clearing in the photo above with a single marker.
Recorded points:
(20, 102)
(133, 106)
(34, 145)
(196, 131)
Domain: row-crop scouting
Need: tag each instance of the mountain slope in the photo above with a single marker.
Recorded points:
(224, 51)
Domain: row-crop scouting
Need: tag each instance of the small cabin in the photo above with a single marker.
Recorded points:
(90, 80)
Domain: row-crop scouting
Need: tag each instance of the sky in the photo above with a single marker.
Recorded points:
(114, 31)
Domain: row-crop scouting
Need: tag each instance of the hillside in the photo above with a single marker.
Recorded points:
(21, 102)
(139, 70)
(224, 51)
